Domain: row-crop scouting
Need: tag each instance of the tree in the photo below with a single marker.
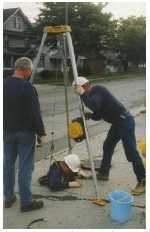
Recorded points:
(92, 30)
(131, 40)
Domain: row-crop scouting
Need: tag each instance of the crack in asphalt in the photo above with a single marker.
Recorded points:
(59, 198)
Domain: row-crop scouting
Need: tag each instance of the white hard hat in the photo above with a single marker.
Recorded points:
(73, 162)
(81, 81)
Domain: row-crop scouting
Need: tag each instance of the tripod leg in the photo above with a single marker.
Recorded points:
(75, 73)
(37, 59)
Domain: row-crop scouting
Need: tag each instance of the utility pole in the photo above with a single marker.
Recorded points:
(66, 12)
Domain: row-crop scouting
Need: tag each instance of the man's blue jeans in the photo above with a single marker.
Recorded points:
(23, 145)
(123, 130)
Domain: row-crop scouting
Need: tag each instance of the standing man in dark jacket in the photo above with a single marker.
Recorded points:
(105, 106)
(22, 122)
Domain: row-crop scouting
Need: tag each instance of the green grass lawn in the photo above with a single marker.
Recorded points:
(96, 77)
(116, 76)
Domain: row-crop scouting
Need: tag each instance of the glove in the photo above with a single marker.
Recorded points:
(41, 140)
(78, 89)
(88, 115)
(74, 184)
(84, 174)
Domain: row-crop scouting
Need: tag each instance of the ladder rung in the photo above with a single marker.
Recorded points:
(57, 29)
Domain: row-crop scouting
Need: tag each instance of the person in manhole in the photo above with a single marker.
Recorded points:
(64, 174)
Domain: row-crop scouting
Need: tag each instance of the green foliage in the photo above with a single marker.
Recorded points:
(131, 39)
(95, 32)
(92, 29)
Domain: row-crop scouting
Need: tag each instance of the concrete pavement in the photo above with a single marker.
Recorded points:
(64, 212)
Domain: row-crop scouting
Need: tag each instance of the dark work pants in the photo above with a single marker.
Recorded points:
(123, 130)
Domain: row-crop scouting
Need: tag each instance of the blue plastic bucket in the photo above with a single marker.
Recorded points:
(121, 208)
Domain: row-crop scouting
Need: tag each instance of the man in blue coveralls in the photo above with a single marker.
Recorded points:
(22, 122)
(105, 106)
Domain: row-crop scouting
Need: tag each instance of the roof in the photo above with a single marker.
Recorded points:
(8, 12)
(58, 54)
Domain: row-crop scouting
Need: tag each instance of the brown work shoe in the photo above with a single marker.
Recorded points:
(34, 205)
(139, 188)
(102, 176)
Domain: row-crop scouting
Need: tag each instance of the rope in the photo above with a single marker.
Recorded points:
(52, 146)
(34, 221)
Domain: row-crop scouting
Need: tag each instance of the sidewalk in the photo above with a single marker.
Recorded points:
(65, 212)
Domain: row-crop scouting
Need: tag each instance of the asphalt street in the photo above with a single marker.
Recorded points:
(131, 92)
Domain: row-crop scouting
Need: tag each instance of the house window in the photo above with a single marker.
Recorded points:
(7, 61)
(41, 63)
(56, 64)
(17, 23)
(16, 43)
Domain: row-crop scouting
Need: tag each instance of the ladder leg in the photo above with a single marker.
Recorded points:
(37, 59)
(75, 73)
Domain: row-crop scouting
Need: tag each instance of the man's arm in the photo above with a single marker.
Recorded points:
(94, 104)
(34, 107)
(74, 184)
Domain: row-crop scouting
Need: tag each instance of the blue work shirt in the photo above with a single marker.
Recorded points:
(103, 104)
(21, 108)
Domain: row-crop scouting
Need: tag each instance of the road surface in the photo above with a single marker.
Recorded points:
(131, 92)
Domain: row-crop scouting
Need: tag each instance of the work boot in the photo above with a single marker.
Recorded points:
(102, 176)
(8, 204)
(139, 189)
(34, 205)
